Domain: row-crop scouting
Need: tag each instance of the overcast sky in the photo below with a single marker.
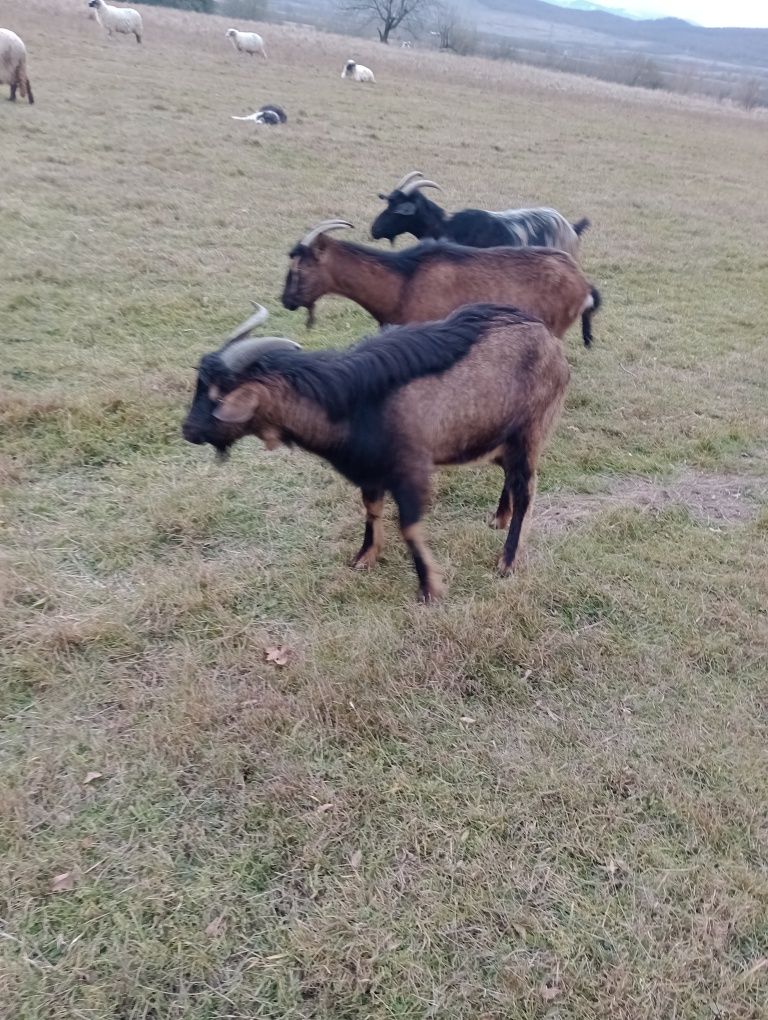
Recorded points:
(748, 13)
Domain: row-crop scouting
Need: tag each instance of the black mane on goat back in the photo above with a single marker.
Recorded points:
(339, 381)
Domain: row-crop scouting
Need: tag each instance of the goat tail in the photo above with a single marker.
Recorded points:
(591, 305)
(581, 225)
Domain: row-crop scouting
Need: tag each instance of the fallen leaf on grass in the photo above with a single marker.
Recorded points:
(65, 882)
(91, 777)
(279, 655)
(356, 859)
(467, 719)
(217, 927)
(323, 808)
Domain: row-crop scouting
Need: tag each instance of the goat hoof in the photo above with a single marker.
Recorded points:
(365, 561)
(497, 523)
(504, 568)
(433, 593)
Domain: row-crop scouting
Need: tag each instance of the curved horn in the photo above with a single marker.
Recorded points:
(244, 352)
(408, 177)
(260, 315)
(415, 185)
(321, 228)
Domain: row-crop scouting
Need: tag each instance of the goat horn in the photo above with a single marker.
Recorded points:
(321, 228)
(242, 353)
(408, 177)
(260, 315)
(415, 185)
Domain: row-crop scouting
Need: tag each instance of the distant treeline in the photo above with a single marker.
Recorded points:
(256, 10)
(202, 6)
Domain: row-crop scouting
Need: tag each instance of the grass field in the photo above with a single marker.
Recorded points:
(544, 797)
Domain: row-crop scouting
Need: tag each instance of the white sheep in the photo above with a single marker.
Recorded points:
(13, 65)
(357, 72)
(123, 20)
(247, 42)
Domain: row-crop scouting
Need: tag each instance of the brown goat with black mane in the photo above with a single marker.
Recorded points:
(433, 279)
(486, 384)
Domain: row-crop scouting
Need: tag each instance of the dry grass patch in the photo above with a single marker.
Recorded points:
(711, 499)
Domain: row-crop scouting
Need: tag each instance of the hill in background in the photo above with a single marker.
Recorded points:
(653, 53)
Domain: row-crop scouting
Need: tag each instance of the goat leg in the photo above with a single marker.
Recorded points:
(520, 484)
(500, 520)
(373, 500)
(410, 501)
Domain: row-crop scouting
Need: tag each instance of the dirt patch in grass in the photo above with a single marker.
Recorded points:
(709, 497)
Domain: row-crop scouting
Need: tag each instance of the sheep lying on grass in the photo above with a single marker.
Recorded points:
(485, 384)
(13, 65)
(247, 42)
(123, 20)
(357, 72)
(270, 113)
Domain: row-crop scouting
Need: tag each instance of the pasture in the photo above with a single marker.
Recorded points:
(544, 796)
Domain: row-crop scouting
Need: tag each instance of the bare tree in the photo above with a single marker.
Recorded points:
(388, 14)
(454, 33)
(748, 93)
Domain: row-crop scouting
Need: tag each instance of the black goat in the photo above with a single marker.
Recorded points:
(410, 212)
(485, 384)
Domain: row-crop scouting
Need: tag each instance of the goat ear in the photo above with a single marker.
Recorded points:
(239, 406)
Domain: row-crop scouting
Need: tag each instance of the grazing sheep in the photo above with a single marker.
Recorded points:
(357, 72)
(433, 279)
(247, 42)
(13, 65)
(486, 384)
(123, 20)
(270, 113)
(410, 212)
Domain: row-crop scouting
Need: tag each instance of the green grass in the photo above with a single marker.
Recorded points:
(544, 797)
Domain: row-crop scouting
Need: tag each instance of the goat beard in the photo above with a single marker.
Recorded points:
(310, 316)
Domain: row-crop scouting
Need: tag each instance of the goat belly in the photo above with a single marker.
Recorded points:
(484, 453)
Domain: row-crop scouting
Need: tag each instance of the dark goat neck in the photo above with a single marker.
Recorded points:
(429, 220)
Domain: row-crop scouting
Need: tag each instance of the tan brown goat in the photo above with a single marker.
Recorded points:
(486, 384)
(431, 280)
